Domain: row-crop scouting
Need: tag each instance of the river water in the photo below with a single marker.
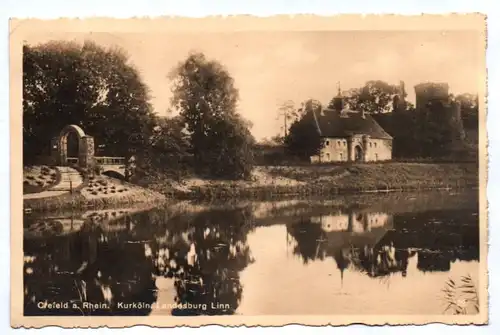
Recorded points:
(370, 254)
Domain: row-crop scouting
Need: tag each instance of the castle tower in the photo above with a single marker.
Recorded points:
(428, 92)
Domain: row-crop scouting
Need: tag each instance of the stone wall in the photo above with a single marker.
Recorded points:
(343, 149)
(378, 150)
(86, 151)
(335, 150)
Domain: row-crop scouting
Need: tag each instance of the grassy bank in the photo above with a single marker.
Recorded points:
(285, 181)
(39, 178)
(95, 193)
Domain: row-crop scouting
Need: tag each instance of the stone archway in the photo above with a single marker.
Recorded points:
(358, 153)
(85, 147)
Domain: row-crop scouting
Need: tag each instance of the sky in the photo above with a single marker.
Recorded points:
(270, 67)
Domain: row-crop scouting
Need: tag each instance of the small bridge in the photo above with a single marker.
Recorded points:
(111, 166)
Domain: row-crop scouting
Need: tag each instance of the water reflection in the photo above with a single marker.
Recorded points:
(380, 244)
(215, 260)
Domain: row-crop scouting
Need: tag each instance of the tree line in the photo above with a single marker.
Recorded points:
(98, 89)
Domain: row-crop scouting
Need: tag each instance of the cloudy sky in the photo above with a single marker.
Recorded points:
(271, 67)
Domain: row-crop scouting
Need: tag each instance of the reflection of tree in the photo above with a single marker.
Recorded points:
(433, 261)
(204, 253)
(310, 238)
(86, 266)
(205, 259)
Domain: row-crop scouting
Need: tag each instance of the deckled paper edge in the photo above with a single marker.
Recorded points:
(18, 29)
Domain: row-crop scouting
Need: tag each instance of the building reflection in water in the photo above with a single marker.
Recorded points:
(373, 243)
(197, 258)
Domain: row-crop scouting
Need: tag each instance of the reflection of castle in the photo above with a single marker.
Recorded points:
(380, 244)
(353, 222)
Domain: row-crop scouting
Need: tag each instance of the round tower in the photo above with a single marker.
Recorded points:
(428, 92)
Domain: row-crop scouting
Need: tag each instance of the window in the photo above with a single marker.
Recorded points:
(338, 143)
(327, 142)
(340, 156)
(376, 157)
(375, 144)
(328, 156)
(370, 144)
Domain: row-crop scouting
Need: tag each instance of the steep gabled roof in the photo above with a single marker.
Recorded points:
(347, 123)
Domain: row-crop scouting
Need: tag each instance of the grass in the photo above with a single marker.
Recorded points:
(39, 178)
(461, 297)
(298, 181)
(95, 193)
(102, 187)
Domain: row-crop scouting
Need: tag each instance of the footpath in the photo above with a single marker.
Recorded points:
(70, 178)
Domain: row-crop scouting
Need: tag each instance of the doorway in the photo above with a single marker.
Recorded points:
(358, 154)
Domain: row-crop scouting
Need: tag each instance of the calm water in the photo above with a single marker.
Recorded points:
(366, 254)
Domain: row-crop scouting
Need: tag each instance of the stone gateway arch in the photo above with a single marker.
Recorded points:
(112, 166)
(59, 147)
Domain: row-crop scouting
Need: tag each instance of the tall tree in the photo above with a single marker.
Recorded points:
(303, 139)
(167, 153)
(288, 113)
(206, 97)
(87, 85)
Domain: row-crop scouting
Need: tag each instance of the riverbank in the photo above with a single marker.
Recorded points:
(96, 193)
(270, 182)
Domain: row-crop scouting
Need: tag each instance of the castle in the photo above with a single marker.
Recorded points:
(349, 135)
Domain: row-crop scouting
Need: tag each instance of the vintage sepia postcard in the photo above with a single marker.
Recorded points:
(249, 171)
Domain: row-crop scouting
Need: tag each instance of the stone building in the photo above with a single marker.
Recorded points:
(350, 136)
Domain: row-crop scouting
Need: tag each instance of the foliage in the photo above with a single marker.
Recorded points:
(86, 85)
(470, 109)
(303, 139)
(374, 97)
(461, 297)
(206, 97)
(167, 152)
